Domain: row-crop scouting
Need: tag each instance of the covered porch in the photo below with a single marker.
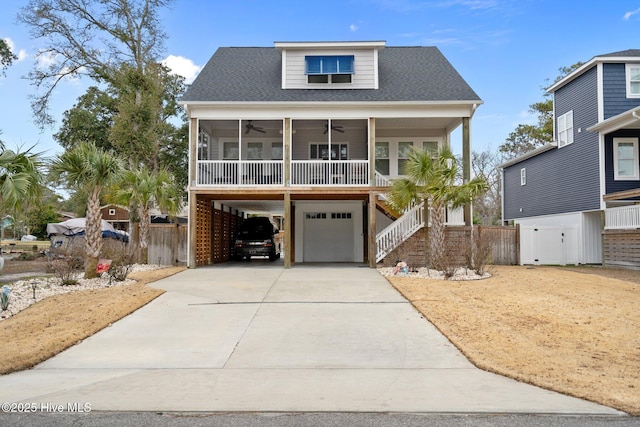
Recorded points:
(314, 152)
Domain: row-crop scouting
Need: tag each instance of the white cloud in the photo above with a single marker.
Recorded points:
(45, 59)
(630, 14)
(182, 66)
(21, 54)
(9, 43)
(353, 28)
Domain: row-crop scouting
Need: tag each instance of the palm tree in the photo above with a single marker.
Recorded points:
(89, 169)
(434, 180)
(20, 179)
(146, 189)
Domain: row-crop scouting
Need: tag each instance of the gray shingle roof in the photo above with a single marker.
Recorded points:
(253, 74)
(622, 53)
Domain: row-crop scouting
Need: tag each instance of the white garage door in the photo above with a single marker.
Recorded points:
(328, 237)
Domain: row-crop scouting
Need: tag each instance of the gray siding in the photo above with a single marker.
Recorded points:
(563, 179)
(614, 87)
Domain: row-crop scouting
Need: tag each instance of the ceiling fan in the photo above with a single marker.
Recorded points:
(249, 127)
(337, 128)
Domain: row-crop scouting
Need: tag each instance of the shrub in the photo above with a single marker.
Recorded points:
(67, 264)
(122, 256)
(479, 252)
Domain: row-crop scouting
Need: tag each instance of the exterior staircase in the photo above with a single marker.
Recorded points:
(399, 231)
(405, 224)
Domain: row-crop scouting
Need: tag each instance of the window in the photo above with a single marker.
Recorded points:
(565, 129)
(523, 176)
(276, 150)
(404, 149)
(321, 151)
(254, 151)
(112, 212)
(625, 159)
(230, 151)
(316, 215)
(633, 81)
(341, 215)
(382, 157)
(329, 69)
(430, 147)
(203, 146)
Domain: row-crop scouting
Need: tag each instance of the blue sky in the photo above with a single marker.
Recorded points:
(505, 49)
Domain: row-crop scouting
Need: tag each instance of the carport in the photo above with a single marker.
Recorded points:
(316, 228)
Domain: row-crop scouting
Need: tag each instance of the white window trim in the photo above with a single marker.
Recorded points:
(393, 149)
(636, 167)
(228, 141)
(628, 80)
(523, 176)
(338, 144)
(565, 126)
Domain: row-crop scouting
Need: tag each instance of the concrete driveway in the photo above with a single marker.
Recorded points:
(256, 337)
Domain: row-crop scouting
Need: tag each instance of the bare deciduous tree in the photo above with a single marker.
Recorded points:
(92, 38)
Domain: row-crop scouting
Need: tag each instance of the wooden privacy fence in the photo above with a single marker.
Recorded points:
(168, 244)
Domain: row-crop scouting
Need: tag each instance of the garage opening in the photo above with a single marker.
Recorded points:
(329, 231)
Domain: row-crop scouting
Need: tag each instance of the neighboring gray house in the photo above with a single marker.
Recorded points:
(313, 131)
(558, 193)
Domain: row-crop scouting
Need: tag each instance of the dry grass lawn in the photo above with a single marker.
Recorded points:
(55, 324)
(575, 331)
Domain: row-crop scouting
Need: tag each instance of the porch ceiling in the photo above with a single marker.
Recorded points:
(273, 203)
(275, 126)
(418, 123)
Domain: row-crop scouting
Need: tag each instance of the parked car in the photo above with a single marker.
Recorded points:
(256, 238)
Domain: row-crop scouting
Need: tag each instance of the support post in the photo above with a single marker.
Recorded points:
(466, 164)
(287, 152)
(193, 198)
(372, 249)
(287, 230)
(372, 151)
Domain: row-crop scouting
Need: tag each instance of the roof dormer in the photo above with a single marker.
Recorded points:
(330, 65)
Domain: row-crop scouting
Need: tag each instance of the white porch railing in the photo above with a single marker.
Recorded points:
(412, 220)
(399, 231)
(623, 217)
(329, 173)
(234, 172)
(381, 180)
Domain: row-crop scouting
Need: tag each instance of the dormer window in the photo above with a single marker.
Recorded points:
(329, 69)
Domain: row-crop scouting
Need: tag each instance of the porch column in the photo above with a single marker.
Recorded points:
(287, 230)
(371, 244)
(466, 165)
(287, 153)
(372, 151)
(193, 198)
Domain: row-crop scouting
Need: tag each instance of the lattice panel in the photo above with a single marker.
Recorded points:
(217, 236)
(226, 236)
(203, 232)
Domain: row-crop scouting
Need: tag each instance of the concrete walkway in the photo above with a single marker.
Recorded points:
(256, 337)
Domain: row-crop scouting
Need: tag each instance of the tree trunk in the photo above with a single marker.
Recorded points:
(93, 234)
(144, 235)
(436, 238)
